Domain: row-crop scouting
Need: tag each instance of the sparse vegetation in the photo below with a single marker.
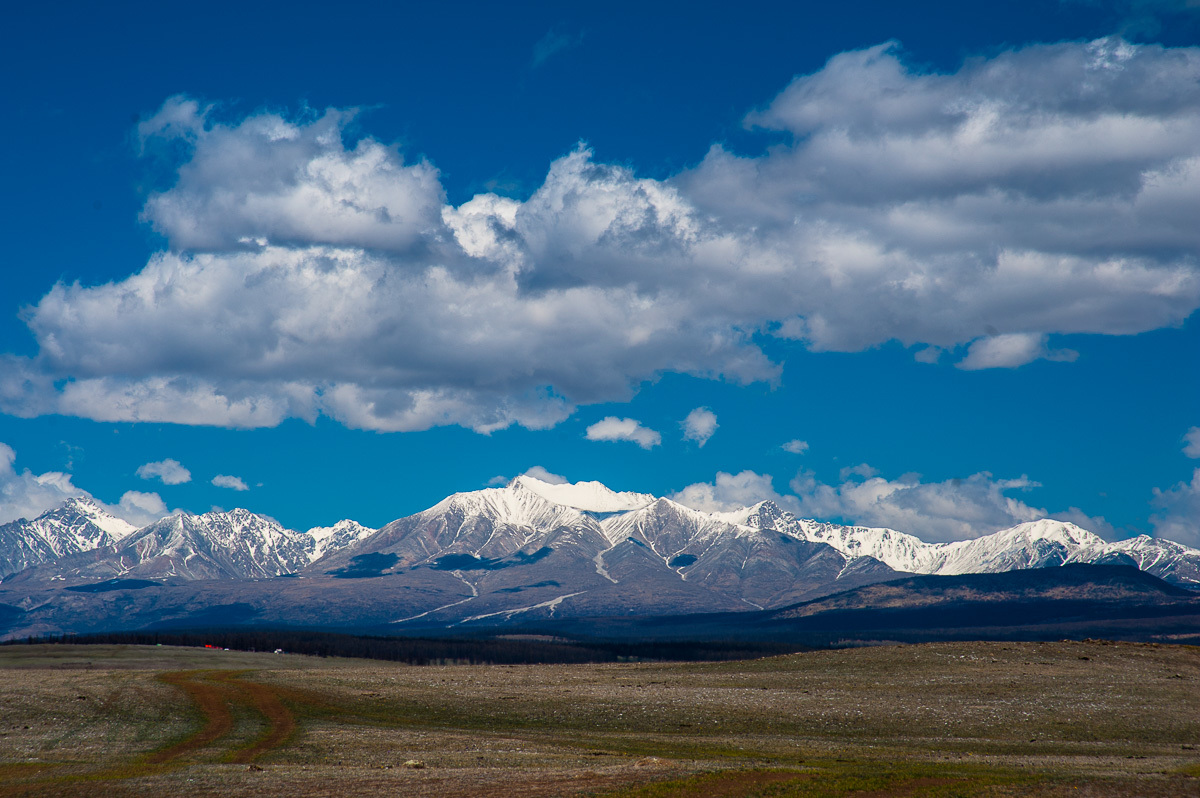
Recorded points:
(954, 719)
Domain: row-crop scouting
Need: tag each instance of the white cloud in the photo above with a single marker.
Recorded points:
(861, 470)
(24, 494)
(168, 471)
(612, 428)
(1178, 516)
(537, 472)
(1036, 192)
(226, 481)
(268, 180)
(141, 509)
(1191, 441)
(928, 354)
(955, 509)
(731, 492)
(699, 425)
(796, 446)
(1010, 351)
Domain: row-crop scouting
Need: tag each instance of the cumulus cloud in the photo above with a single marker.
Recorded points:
(28, 495)
(612, 428)
(537, 472)
(168, 471)
(231, 482)
(1046, 190)
(141, 508)
(1191, 442)
(271, 180)
(928, 354)
(24, 494)
(955, 509)
(861, 470)
(1011, 350)
(796, 446)
(699, 425)
(731, 492)
(1178, 512)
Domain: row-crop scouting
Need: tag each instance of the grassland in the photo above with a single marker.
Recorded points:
(955, 719)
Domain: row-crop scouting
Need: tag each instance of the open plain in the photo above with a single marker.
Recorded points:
(946, 719)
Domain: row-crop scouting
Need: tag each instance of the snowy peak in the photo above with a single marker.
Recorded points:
(584, 520)
(1165, 559)
(89, 509)
(1034, 544)
(1047, 529)
(516, 505)
(328, 539)
(590, 497)
(219, 545)
(897, 550)
(78, 525)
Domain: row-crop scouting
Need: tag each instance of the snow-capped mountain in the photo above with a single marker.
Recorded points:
(219, 545)
(78, 525)
(590, 497)
(237, 544)
(586, 549)
(328, 539)
(1034, 544)
(534, 549)
(1165, 559)
(482, 525)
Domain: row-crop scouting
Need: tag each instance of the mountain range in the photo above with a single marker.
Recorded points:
(529, 550)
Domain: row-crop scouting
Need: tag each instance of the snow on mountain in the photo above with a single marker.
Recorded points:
(517, 504)
(219, 545)
(237, 544)
(328, 539)
(483, 525)
(1165, 559)
(899, 551)
(587, 531)
(78, 525)
(1035, 544)
(591, 497)
(723, 547)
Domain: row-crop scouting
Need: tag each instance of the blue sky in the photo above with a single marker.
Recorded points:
(946, 254)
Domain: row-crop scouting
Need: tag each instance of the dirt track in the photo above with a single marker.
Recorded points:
(214, 693)
(977, 719)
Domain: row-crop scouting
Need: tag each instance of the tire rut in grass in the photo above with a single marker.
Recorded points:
(215, 694)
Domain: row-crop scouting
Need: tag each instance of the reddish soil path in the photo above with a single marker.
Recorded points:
(281, 723)
(212, 699)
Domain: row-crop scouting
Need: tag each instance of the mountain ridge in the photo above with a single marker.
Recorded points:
(538, 549)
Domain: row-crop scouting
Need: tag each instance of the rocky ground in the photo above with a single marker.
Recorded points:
(942, 719)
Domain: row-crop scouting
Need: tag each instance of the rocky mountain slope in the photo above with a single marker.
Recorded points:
(1036, 544)
(528, 551)
(78, 525)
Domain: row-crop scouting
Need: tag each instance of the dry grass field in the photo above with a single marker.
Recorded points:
(959, 719)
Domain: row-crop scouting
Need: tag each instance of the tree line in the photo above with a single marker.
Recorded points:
(429, 651)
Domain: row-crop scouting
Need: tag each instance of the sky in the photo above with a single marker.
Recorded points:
(933, 266)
